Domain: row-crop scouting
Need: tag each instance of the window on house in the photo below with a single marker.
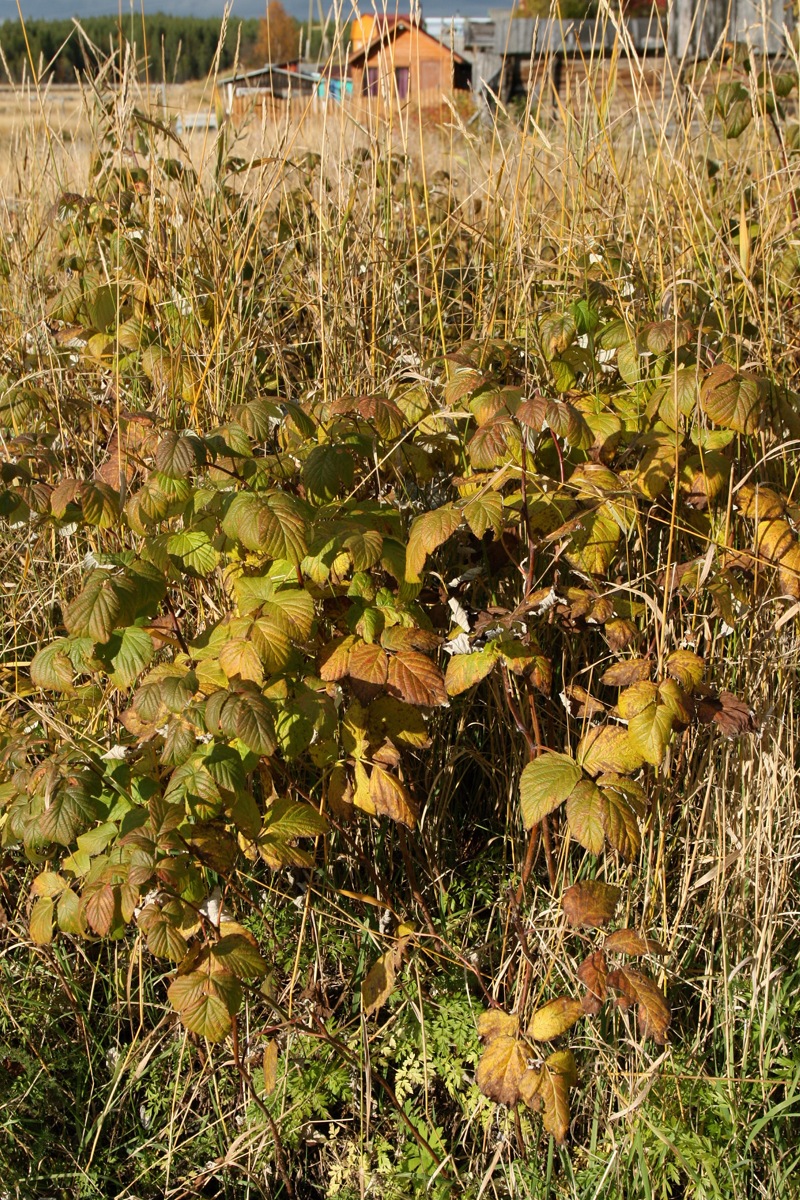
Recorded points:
(371, 81)
(401, 81)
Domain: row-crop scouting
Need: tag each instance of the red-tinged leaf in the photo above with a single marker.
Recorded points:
(630, 941)
(593, 973)
(368, 669)
(164, 938)
(206, 1002)
(494, 442)
(334, 661)
(416, 679)
(590, 903)
(99, 906)
(652, 1011)
(501, 1069)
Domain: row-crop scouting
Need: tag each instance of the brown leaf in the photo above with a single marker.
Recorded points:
(496, 1023)
(582, 704)
(632, 670)
(620, 634)
(501, 1069)
(728, 712)
(630, 941)
(390, 798)
(590, 903)
(592, 973)
(415, 679)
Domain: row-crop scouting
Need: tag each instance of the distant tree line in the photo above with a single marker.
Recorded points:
(176, 48)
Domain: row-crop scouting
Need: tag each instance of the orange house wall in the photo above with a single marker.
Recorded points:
(429, 63)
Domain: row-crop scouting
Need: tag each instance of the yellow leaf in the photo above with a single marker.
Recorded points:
(501, 1069)
(270, 1066)
(555, 1018)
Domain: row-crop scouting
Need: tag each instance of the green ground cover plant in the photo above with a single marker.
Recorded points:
(398, 780)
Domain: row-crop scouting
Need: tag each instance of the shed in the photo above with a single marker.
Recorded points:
(393, 61)
(271, 87)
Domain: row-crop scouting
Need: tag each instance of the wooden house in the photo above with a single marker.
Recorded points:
(394, 62)
(269, 90)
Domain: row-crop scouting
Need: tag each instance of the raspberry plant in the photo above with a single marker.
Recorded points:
(275, 609)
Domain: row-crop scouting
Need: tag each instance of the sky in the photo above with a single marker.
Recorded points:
(212, 8)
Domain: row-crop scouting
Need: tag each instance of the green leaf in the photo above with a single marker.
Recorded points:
(733, 399)
(52, 669)
(649, 719)
(192, 551)
(585, 816)
(239, 954)
(288, 819)
(95, 611)
(292, 611)
(206, 1002)
(254, 724)
(328, 471)
(546, 782)
(179, 453)
(69, 913)
(427, 533)
(70, 810)
(127, 653)
(484, 512)
(100, 504)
